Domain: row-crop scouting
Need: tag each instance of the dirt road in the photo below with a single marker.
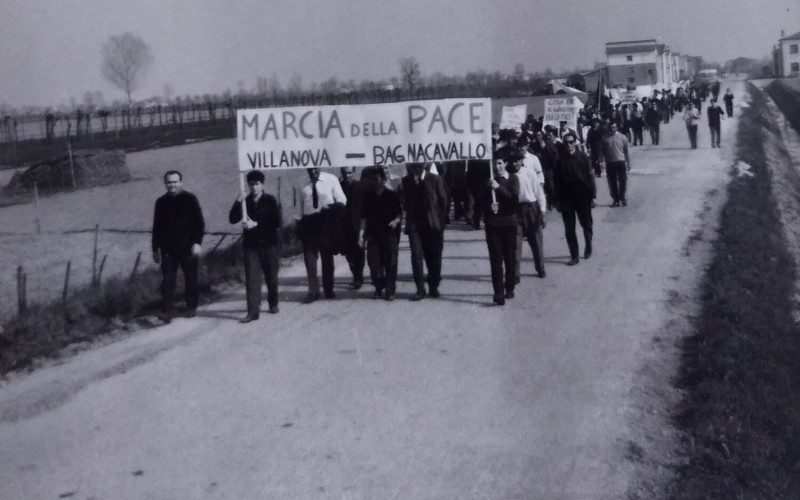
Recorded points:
(356, 398)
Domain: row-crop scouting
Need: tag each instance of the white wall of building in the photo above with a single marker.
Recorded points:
(638, 58)
(791, 61)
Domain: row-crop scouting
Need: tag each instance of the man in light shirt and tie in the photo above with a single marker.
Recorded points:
(318, 224)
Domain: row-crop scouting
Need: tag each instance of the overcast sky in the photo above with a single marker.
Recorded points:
(50, 50)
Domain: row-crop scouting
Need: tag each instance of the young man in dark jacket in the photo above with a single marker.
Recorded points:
(261, 242)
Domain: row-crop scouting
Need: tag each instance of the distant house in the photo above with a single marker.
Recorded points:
(636, 63)
(786, 56)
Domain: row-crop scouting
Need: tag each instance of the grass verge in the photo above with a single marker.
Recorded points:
(740, 374)
(90, 312)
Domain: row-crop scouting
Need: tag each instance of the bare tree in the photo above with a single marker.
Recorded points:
(410, 73)
(126, 60)
(296, 84)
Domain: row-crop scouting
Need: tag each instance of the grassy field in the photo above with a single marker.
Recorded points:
(124, 213)
(740, 417)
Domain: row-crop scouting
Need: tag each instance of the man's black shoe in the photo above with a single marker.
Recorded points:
(330, 295)
(542, 274)
(274, 310)
(587, 253)
(510, 294)
(517, 280)
(248, 318)
(434, 292)
(615, 204)
(311, 297)
(389, 296)
(573, 261)
(499, 300)
(164, 316)
(624, 202)
(378, 294)
(418, 296)
(356, 284)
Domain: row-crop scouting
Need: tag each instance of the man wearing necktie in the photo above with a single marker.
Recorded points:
(425, 204)
(318, 227)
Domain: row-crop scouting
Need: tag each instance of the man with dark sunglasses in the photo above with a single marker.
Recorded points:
(575, 191)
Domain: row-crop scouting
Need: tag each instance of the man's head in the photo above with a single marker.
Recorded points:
(595, 124)
(313, 173)
(255, 180)
(173, 180)
(571, 141)
(347, 172)
(416, 168)
(614, 127)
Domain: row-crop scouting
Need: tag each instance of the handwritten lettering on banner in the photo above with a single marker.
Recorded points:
(562, 109)
(513, 117)
(364, 135)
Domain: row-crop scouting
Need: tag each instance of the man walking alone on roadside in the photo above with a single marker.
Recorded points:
(615, 151)
(728, 99)
(575, 192)
(262, 252)
(715, 115)
(178, 228)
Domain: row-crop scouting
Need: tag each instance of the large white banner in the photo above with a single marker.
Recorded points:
(562, 109)
(364, 135)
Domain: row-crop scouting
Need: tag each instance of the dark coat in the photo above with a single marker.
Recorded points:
(177, 223)
(434, 199)
(267, 213)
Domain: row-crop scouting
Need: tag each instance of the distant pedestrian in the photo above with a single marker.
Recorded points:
(178, 228)
(615, 151)
(652, 118)
(637, 124)
(715, 114)
(691, 116)
(728, 99)
(594, 141)
(261, 243)
(318, 229)
(575, 192)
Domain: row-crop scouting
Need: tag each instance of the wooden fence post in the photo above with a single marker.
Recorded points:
(36, 205)
(71, 166)
(66, 284)
(22, 299)
(94, 254)
(135, 267)
(100, 271)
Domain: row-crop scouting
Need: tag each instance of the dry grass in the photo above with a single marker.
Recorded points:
(740, 416)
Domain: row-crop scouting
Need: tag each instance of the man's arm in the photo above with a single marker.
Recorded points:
(156, 237)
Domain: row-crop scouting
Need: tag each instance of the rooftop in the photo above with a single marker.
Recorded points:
(796, 36)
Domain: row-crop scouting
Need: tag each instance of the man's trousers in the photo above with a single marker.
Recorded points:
(266, 260)
(169, 272)
(530, 226)
(426, 246)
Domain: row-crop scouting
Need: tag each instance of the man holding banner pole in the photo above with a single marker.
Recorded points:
(261, 220)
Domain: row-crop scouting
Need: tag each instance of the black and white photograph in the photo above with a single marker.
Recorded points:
(408, 250)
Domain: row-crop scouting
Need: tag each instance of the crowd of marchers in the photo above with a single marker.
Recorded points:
(535, 169)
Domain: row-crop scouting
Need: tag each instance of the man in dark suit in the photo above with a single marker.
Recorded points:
(178, 228)
(354, 252)
(425, 204)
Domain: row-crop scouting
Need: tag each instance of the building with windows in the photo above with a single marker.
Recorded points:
(786, 56)
(638, 63)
